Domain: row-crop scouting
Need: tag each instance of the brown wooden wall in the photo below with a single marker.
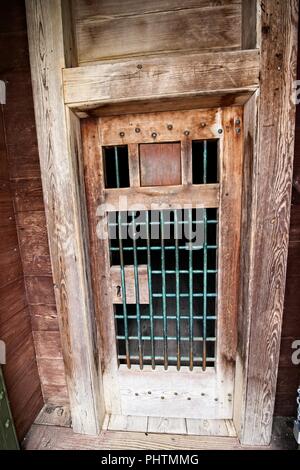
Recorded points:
(20, 371)
(289, 373)
(26, 191)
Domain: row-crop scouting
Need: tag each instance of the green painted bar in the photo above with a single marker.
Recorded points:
(150, 293)
(169, 338)
(117, 167)
(143, 248)
(204, 291)
(123, 284)
(191, 294)
(137, 292)
(177, 288)
(171, 358)
(164, 296)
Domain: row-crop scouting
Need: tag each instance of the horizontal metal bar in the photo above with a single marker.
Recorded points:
(157, 294)
(169, 338)
(171, 222)
(185, 271)
(144, 248)
(170, 358)
(160, 317)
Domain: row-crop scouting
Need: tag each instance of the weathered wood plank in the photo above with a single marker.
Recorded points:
(59, 150)
(54, 415)
(128, 423)
(52, 437)
(172, 197)
(167, 425)
(271, 172)
(116, 285)
(162, 77)
(213, 28)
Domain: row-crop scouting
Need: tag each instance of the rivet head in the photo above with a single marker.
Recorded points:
(122, 134)
(137, 130)
(220, 131)
(238, 130)
(203, 124)
(186, 133)
(238, 121)
(154, 135)
(139, 66)
(136, 394)
(162, 398)
(170, 127)
(7, 423)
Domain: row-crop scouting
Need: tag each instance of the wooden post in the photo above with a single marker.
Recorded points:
(58, 130)
(269, 138)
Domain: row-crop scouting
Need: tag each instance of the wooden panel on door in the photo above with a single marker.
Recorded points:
(160, 164)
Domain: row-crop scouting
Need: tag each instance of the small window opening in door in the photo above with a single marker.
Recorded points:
(205, 161)
(116, 168)
(173, 320)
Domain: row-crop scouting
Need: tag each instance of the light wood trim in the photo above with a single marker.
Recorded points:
(231, 167)
(171, 197)
(99, 249)
(270, 167)
(59, 142)
(134, 165)
(162, 77)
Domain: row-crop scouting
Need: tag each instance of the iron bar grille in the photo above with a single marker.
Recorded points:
(177, 326)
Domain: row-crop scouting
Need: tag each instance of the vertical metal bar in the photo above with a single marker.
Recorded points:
(117, 167)
(204, 161)
(204, 352)
(164, 299)
(123, 284)
(137, 293)
(177, 288)
(150, 292)
(191, 323)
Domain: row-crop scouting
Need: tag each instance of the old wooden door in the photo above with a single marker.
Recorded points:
(164, 205)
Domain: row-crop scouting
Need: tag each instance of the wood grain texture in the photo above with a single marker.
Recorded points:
(161, 77)
(55, 438)
(270, 213)
(116, 285)
(169, 197)
(140, 30)
(54, 415)
(160, 164)
(59, 150)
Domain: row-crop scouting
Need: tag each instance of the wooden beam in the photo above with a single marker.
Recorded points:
(174, 197)
(180, 75)
(58, 134)
(269, 148)
(250, 20)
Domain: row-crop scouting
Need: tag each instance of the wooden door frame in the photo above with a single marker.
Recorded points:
(263, 82)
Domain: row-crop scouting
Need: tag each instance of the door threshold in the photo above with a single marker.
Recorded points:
(183, 426)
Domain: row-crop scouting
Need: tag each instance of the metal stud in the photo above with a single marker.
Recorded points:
(170, 127)
(137, 130)
(186, 133)
(238, 130)
(203, 124)
(238, 121)
(220, 131)
(154, 135)
(122, 134)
